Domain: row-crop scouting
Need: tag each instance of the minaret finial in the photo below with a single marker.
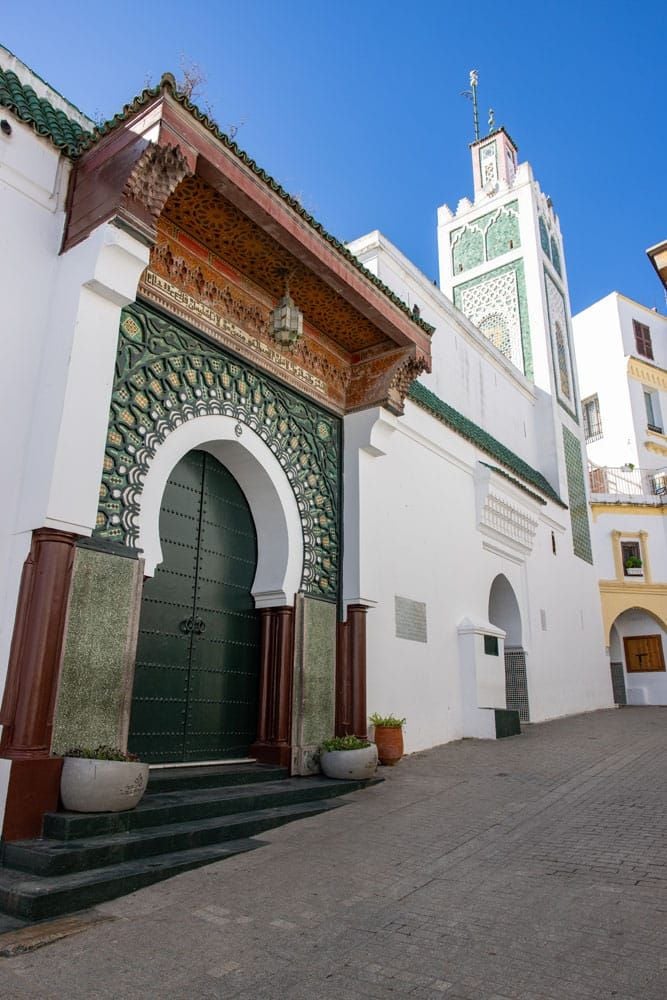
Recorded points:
(472, 96)
(492, 119)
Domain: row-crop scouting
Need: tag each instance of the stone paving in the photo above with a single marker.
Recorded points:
(533, 868)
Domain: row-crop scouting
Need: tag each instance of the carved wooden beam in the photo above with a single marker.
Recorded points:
(385, 380)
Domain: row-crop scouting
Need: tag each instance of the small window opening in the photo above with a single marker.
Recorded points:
(631, 558)
(491, 645)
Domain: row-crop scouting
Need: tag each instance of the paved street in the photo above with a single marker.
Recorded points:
(534, 868)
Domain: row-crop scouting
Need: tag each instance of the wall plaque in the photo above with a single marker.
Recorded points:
(410, 619)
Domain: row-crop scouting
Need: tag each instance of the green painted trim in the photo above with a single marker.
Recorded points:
(423, 397)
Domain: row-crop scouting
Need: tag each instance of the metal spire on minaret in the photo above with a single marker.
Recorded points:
(472, 96)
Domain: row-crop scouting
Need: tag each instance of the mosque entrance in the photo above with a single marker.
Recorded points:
(197, 667)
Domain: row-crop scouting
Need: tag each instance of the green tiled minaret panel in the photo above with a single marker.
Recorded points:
(468, 251)
(502, 233)
(485, 238)
(496, 302)
(574, 466)
(544, 237)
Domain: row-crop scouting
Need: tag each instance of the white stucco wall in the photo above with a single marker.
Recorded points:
(60, 315)
(468, 372)
(419, 540)
(33, 184)
(642, 687)
(605, 343)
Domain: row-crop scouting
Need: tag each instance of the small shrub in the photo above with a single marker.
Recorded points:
(101, 753)
(344, 743)
(387, 721)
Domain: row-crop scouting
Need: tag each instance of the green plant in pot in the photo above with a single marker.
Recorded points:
(348, 757)
(388, 735)
(102, 779)
(633, 565)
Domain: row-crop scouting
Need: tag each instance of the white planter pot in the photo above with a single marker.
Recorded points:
(352, 764)
(102, 785)
(634, 571)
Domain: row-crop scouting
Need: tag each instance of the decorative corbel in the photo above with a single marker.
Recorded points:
(385, 380)
(155, 176)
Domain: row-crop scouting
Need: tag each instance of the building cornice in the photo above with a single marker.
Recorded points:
(647, 373)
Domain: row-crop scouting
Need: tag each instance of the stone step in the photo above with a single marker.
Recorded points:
(59, 857)
(31, 897)
(188, 805)
(171, 779)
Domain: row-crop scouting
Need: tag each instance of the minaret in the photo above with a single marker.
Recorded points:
(502, 264)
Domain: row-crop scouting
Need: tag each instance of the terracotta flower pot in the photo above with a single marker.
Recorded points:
(389, 741)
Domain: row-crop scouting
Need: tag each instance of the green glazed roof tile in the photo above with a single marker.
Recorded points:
(35, 111)
(423, 397)
(515, 482)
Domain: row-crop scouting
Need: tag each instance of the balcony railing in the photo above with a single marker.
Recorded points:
(627, 481)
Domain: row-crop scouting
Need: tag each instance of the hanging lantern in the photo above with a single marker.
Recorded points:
(286, 320)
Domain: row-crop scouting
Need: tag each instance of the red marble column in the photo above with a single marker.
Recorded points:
(356, 618)
(351, 714)
(32, 682)
(274, 725)
(343, 681)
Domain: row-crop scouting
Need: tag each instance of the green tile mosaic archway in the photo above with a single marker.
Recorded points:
(166, 376)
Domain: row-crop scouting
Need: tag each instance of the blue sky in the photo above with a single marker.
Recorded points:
(356, 108)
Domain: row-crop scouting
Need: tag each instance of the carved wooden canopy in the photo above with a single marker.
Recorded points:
(223, 235)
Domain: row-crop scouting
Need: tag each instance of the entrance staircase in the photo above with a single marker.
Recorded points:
(188, 817)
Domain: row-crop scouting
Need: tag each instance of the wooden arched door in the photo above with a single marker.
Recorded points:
(197, 665)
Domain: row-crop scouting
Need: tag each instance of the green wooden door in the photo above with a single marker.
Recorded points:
(197, 666)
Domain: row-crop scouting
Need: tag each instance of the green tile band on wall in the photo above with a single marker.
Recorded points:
(561, 346)
(574, 466)
(515, 267)
(544, 237)
(165, 376)
(485, 238)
